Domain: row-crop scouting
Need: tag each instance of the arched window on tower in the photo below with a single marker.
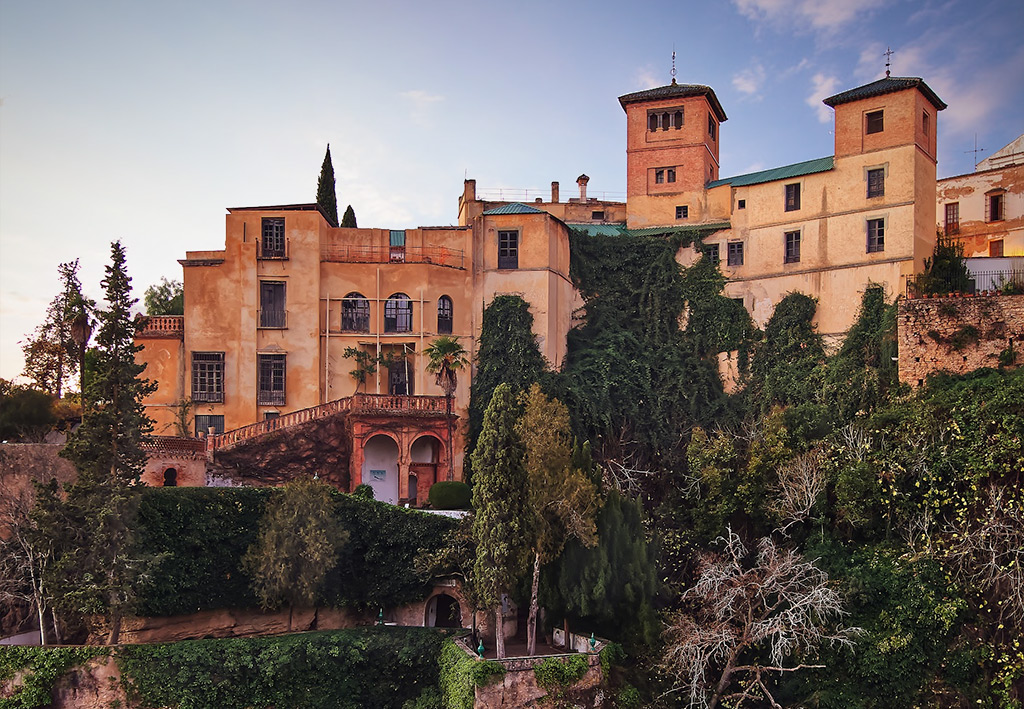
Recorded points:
(355, 313)
(444, 315)
(398, 313)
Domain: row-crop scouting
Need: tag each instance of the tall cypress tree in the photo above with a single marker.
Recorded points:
(349, 220)
(501, 523)
(326, 198)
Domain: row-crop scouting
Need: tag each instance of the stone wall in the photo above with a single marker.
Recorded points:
(519, 688)
(958, 334)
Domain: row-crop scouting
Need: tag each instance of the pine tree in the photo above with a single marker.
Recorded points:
(349, 220)
(326, 198)
(500, 526)
(94, 571)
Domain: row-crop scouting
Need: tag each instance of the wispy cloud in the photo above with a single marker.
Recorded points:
(421, 102)
(822, 86)
(824, 16)
(750, 80)
(646, 79)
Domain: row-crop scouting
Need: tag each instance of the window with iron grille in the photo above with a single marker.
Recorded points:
(875, 122)
(712, 254)
(271, 379)
(444, 315)
(205, 422)
(792, 247)
(683, 212)
(508, 249)
(735, 253)
(876, 235)
(952, 218)
(995, 207)
(876, 182)
(272, 298)
(793, 197)
(355, 313)
(398, 313)
(272, 243)
(208, 376)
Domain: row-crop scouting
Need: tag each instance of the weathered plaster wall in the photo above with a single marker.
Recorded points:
(957, 335)
(970, 192)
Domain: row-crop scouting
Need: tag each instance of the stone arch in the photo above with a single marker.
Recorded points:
(443, 610)
(381, 466)
(426, 455)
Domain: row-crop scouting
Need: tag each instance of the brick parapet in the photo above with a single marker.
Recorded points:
(957, 334)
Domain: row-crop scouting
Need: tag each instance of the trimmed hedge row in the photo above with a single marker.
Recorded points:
(199, 535)
(364, 667)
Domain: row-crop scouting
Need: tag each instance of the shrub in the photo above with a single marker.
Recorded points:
(43, 666)
(450, 495)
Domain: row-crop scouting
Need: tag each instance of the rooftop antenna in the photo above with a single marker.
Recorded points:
(975, 151)
(888, 60)
(673, 64)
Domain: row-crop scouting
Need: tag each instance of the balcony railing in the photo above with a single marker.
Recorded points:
(273, 319)
(156, 325)
(270, 397)
(398, 404)
(272, 251)
(208, 397)
(1001, 282)
(348, 253)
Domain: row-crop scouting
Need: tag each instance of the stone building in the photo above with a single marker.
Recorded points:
(272, 320)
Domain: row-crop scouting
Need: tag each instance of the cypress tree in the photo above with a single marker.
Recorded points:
(500, 525)
(349, 220)
(326, 198)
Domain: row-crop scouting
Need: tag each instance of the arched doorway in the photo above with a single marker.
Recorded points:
(170, 477)
(424, 456)
(443, 611)
(380, 468)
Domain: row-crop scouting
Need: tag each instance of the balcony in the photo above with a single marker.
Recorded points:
(436, 255)
(270, 397)
(272, 249)
(273, 319)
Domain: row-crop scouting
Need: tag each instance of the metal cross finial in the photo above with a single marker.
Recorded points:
(888, 59)
(673, 66)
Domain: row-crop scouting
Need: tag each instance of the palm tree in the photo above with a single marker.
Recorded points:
(447, 357)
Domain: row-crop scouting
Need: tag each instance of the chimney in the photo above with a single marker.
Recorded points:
(582, 181)
(554, 192)
(469, 190)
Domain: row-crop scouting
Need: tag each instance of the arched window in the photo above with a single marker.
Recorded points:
(444, 315)
(355, 313)
(170, 477)
(398, 313)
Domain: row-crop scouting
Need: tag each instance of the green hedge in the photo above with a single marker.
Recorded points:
(364, 667)
(460, 674)
(44, 666)
(199, 535)
(450, 495)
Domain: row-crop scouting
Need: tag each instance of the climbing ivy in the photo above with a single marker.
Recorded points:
(460, 675)
(41, 667)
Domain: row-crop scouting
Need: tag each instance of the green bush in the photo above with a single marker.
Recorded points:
(199, 536)
(450, 495)
(365, 667)
(460, 674)
(43, 666)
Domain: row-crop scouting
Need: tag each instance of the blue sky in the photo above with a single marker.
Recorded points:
(143, 121)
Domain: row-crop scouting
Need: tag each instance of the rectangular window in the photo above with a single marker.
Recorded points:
(926, 123)
(208, 376)
(952, 218)
(735, 253)
(659, 177)
(271, 415)
(876, 235)
(995, 207)
(995, 248)
(741, 204)
(270, 385)
(272, 243)
(875, 122)
(876, 183)
(272, 299)
(712, 254)
(793, 197)
(597, 216)
(508, 249)
(792, 247)
(396, 246)
(683, 212)
(205, 422)
(711, 126)
(670, 174)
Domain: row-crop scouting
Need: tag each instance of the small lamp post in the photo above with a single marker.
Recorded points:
(380, 617)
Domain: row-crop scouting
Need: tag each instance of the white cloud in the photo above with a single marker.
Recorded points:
(822, 86)
(825, 16)
(646, 79)
(421, 103)
(749, 81)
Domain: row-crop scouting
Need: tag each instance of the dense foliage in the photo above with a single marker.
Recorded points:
(449, 495)
(326, 197)
(375, 566)
(165, 298)
(41, 668)
(365, 667)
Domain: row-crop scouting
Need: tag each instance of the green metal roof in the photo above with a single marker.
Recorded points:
(513, 208)
(808, 167)
(621, 230)
(887, 85)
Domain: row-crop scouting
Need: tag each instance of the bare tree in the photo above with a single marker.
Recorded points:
(741, 607)
(800, 483)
